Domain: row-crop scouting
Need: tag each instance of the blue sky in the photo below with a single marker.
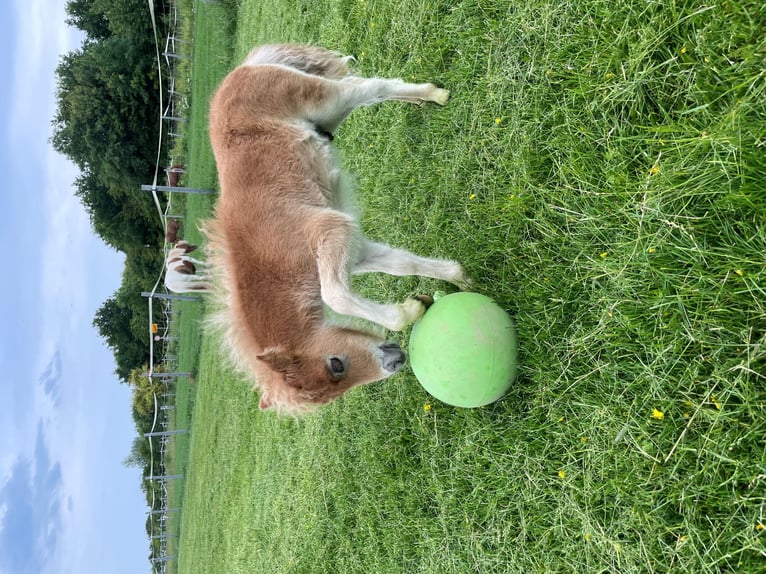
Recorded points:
(66, 501)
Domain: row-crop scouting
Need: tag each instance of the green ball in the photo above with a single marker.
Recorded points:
(464, 350)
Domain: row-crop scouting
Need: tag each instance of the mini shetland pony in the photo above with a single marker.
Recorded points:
(283, 237)
(174, 173)
(171, 231)
(181, 274)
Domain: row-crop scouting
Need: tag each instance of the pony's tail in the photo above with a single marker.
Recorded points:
(309, 59)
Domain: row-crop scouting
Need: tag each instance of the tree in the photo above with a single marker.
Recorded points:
(113, 321)
(144, 390)
(87, 17)
(140, 454)
(125, 219)
(108, 109)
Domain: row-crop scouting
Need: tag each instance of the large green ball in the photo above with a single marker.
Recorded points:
(463, 350)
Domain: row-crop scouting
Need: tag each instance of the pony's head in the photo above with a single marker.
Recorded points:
(329, 364)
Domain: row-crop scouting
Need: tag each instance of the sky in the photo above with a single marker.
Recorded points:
(67, 503)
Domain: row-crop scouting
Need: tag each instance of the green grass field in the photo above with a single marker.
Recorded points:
(601, 173)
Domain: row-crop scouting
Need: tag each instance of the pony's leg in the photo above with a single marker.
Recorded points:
(343, 96)
(333, 233)
(378, 257)
(287, 93)
(196, 262)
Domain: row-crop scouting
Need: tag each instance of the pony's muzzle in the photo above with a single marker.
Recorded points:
(392, 357)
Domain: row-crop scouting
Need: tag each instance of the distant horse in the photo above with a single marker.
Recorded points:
(181, 270)
(171, 233)
(174, 174)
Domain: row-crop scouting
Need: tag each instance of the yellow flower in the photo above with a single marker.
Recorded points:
(472, 196)
(652, 250)
(655, 169)
(583, 439)
(739, 272)
(587, 537)
(427, 407)
(683, 49)
(498, 120)
(562, 474)
(715, 402)
(659, 415)
(759, 526)
(603, 254)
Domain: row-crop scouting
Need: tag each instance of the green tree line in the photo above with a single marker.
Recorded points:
(106, 123)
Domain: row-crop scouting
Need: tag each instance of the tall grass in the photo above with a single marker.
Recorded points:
(600, 172)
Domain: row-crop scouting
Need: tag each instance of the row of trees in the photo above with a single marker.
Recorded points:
(107, 123)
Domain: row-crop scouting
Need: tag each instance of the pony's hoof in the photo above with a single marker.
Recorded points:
(427, 300)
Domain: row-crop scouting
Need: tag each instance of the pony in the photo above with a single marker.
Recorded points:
(171, 231)
(174, 173)
(284, 238)
(181, 270)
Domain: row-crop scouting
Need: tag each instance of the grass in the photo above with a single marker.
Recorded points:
(599, 171)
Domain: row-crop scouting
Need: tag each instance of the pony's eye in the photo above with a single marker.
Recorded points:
(337, 366)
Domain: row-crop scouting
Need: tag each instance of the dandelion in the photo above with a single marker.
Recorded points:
(603, 254)
(427, 407)
(498, 120)
(760, 526)
(562, 474)
(652, 250)
(655, 169)
(658, 415)
(472, 196)
(587, 537)
(683, 49)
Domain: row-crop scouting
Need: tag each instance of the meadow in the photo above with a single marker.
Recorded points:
(600, 171)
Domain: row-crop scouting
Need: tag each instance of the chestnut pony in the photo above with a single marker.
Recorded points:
(284, 241)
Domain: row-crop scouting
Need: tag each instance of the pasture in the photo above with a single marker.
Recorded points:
(599, 171)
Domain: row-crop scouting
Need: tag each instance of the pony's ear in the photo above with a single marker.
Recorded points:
(278, 359)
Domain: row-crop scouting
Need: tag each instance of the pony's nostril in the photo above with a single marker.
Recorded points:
(393, 357)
